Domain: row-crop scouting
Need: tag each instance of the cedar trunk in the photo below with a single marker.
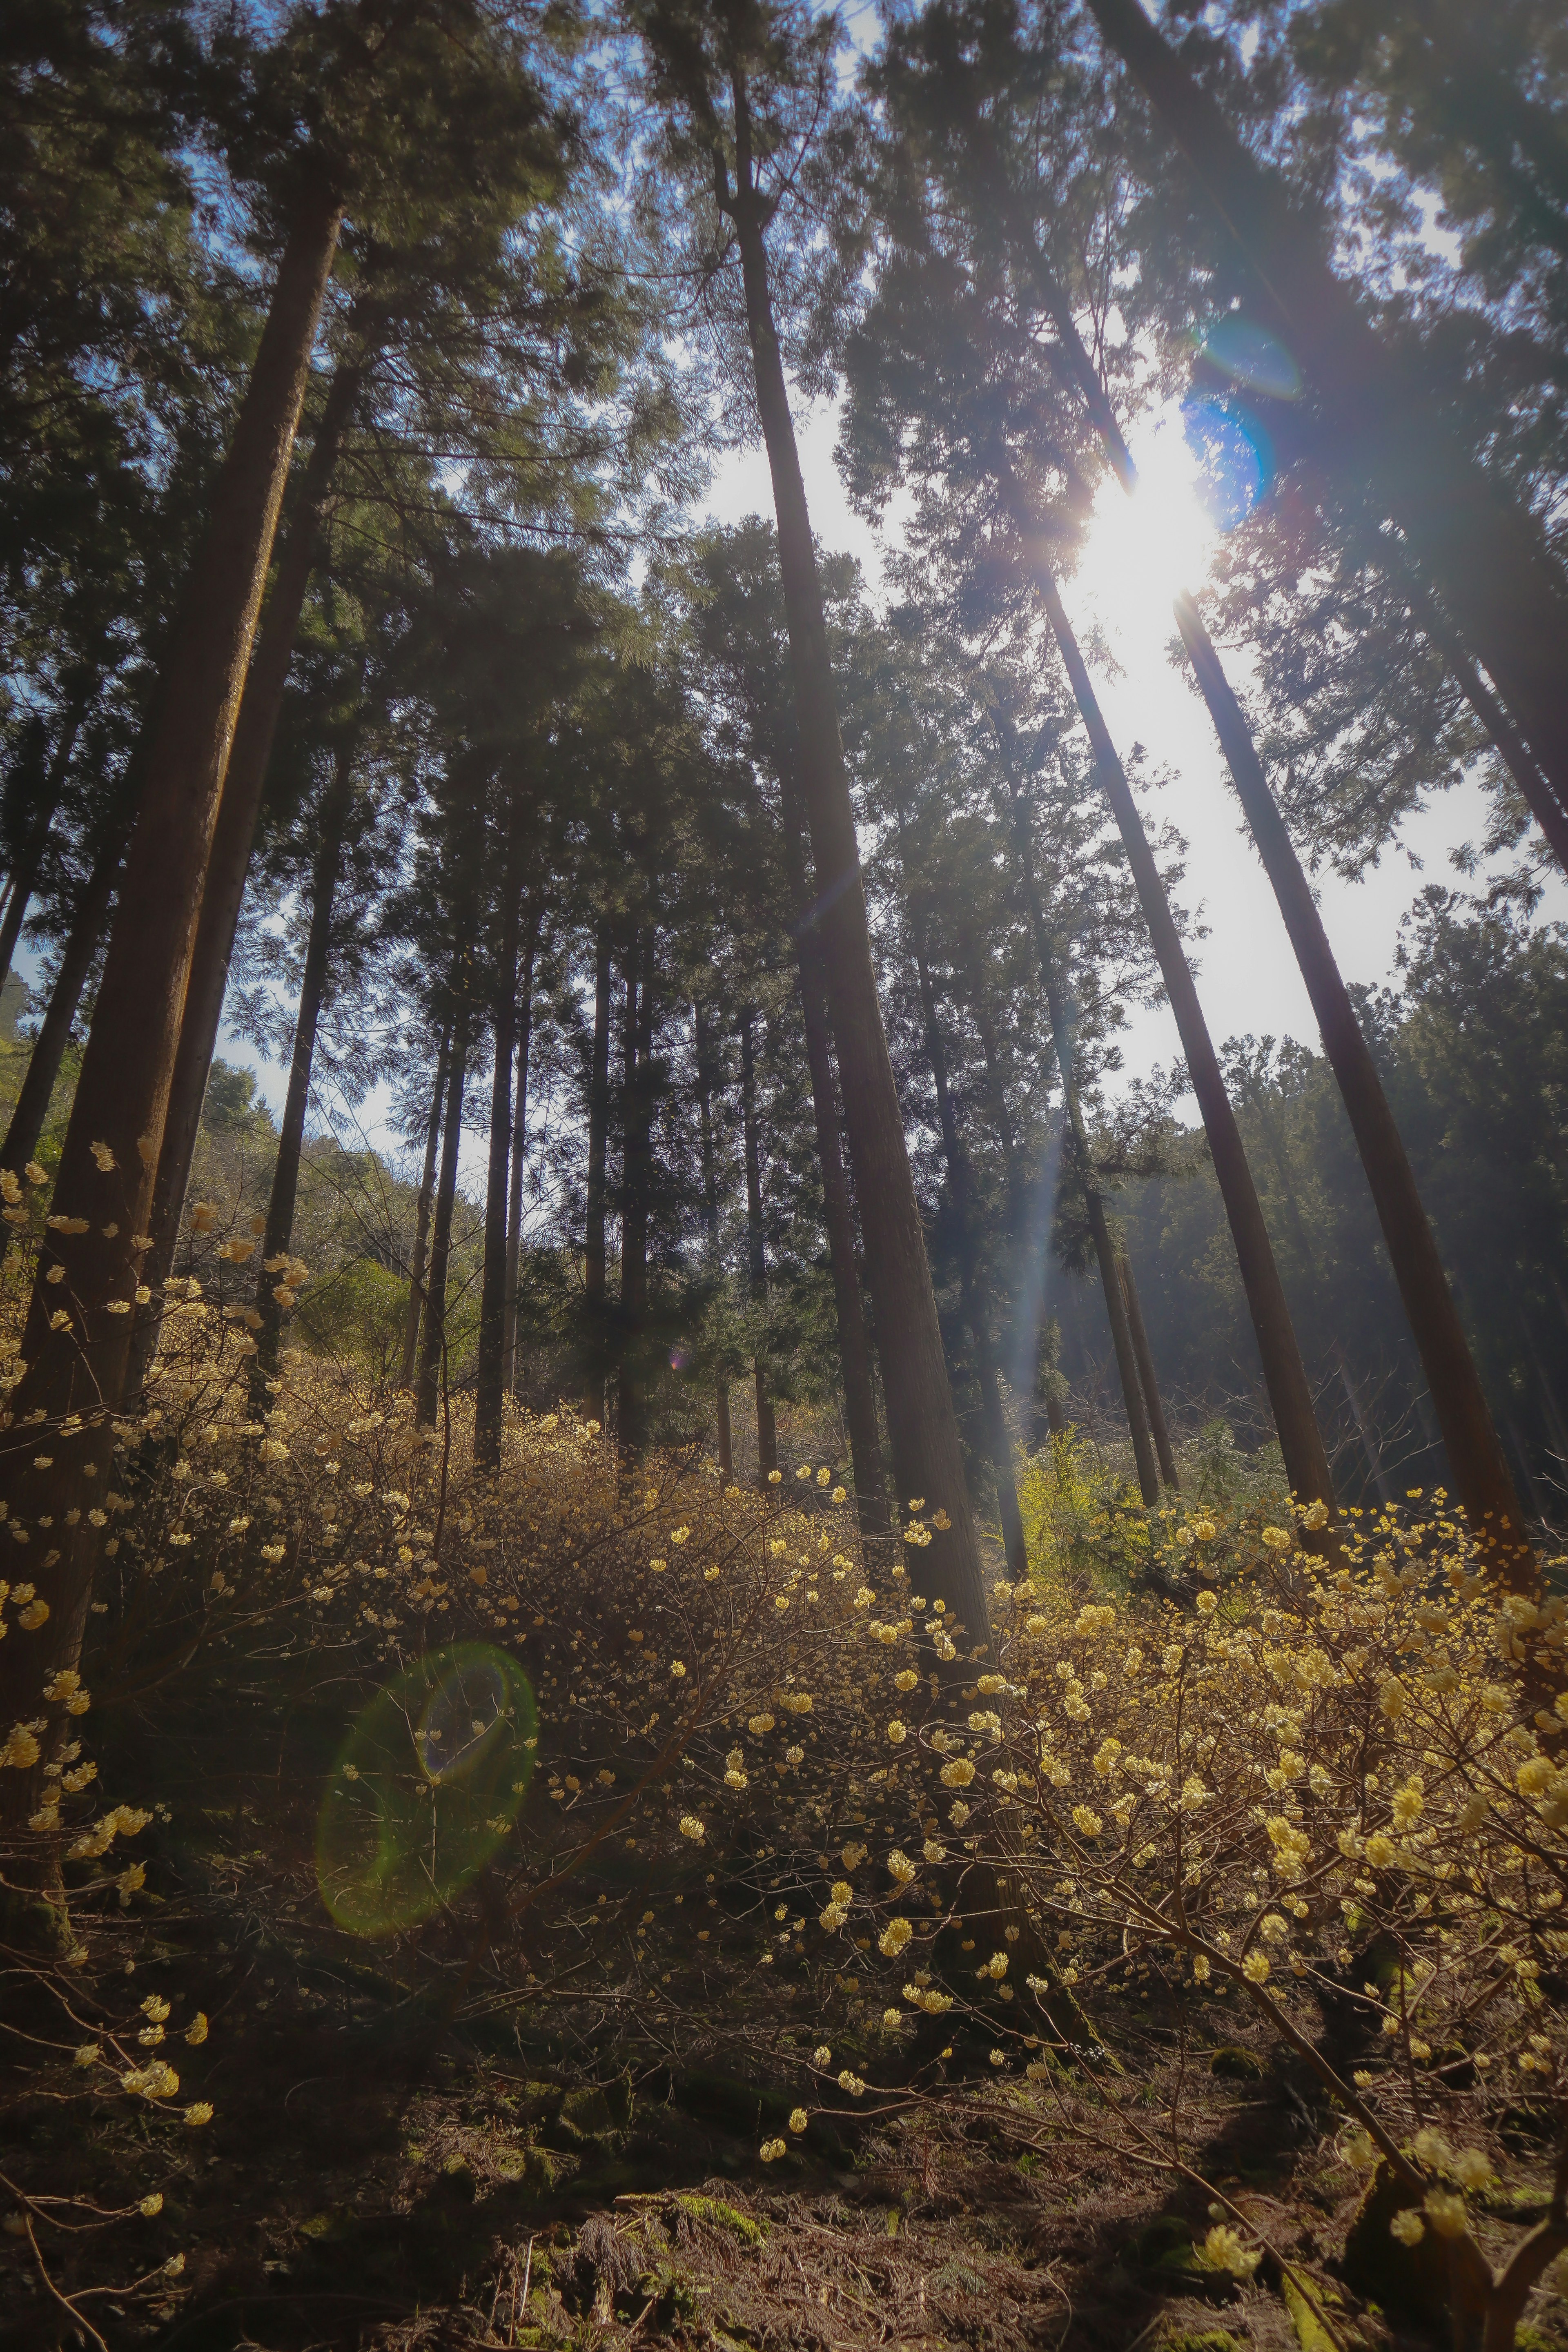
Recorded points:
(928, 1457)
(233, 835)
(422, 1212)
(1285, 1376)
(594, 1292)
(433, 1342)
(1476, 1459)
(1144, 1355)
(1484, 556)
(491, 1374)
(636, 1181)
(705, 1079)
(285, 1193)
(854, 1345)
(756, 1247)
(30, 855)
(32, 1106)
(519, 1150)
(122, 1089)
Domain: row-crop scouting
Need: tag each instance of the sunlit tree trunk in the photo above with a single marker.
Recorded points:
(111, 1144)
(422, 1212)
(1284, 1374)
(928, 1457)
(1476, 1459)
(756, 1245)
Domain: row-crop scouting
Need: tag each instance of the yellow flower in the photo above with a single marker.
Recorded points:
(690, 1827)
(893, 1938)
(200, 2112)
(770, 2150)
(1408, 2228)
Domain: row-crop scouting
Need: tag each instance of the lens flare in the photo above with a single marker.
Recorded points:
(427, 1789)
(1234, 458)
(1252, 356)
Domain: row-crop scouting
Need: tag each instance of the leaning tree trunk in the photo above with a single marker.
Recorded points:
(854, 1343)
(756, 1247)
(710, 1221)
(491, 1373)
(928, 1455)
(422, 1212)
(433, 1341)
(32, 1106)
(977, 1310)
(518, 1148)
(1284, 1374)
(1150, 1384)
(1476, 1459)
(1486, 558)
(233, 834)
(279, 1229)
(593, 1256)
(112, 1140)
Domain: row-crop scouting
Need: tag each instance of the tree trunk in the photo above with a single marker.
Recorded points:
(1151, 1386)
(637, 1174)
(928, 1457)
(1486, 558)
(285, 1193)
(422, 1212)
(756, 1246)
(433, 1343)
(998, 1443)
(233, 834)
(854, 1345)
(122, 1089)
(30, 855)
(1105, 1251)
(32, 1106)
(1300, 1441)
(705, 1076)
(593, 1286)
(1476, 1459)
(519, 1148)
(490, 1375)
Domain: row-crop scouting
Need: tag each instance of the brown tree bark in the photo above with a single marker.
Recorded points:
(756, 1245)
(1105, 1251)
(30, 855)
(636, 1179)
(32, 1105)
(519, 1145)
(594, 1283)
(853, 1342)
(1485, 556)
(285, 1193)
(433, 1338)
(491, 1374)
(422, 1211)
(1476, 1459)
(1285, 1376)
(118, 1113)
(705, 1082)
(976, 1313)
(233, 835)
(928, 1457)
(1144, 1356)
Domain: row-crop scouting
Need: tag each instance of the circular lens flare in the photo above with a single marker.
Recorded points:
(1252, 356)
(1234, 455)
(426, 1787)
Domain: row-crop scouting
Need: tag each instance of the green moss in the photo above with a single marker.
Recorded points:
(719, 2216)
(1199, 2339)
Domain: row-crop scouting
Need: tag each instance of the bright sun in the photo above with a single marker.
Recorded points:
(1140, 551)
